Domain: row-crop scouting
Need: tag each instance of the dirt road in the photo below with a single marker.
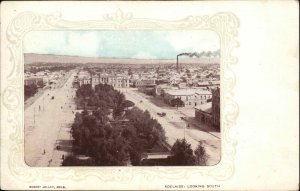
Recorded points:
(47, 124)
(175, 127)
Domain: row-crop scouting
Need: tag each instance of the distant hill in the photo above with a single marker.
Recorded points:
(31, 58)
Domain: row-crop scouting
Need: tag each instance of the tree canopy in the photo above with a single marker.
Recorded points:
(201, 156)
(118, 141)
(113, 135)
(177, 102)
(30, 90)
(182, 154)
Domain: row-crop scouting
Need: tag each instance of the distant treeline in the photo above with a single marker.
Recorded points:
(34, 68)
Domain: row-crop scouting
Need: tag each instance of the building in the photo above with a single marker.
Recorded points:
(144, 82)
(95, 80)
(160, 89)
(209, 113)
(190, 97)
(203, 113)
(39, 82)
(216, 108)
(146, 86)
(84, 81)
(113, 80)
(117, 81)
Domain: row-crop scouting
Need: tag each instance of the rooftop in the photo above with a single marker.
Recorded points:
(207, 107)
(188, 92)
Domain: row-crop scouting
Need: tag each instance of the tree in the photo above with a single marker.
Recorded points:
(117, 141)
(129, 72)
(30, 90)
(177, 102)
(40, 83)
(201, 156)
(182, 154)
(127, 104)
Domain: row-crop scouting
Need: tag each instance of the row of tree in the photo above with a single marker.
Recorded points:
(182, 154)
(30, 90)
(49, 67)
(111, 135)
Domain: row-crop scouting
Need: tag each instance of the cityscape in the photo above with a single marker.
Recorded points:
(122, 111)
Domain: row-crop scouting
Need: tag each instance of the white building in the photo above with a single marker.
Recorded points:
(190, 97)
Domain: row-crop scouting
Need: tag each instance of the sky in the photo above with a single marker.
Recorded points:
(120, 44)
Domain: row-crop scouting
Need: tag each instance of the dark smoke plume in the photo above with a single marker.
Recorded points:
(203, 53)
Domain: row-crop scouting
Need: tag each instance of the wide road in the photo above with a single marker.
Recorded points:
(47, 124)
(175, 127)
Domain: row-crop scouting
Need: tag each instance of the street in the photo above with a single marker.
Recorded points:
(47, 125)
(175, 127)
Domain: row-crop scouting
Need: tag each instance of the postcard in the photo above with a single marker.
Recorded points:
(136, 95)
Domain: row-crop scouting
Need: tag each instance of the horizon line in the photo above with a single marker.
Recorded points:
(175, 57)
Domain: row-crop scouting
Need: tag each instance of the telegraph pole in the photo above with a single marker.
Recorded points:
(33, 115)
(184, 132)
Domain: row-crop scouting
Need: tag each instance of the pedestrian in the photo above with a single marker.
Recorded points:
(44, 151)
(63, 157)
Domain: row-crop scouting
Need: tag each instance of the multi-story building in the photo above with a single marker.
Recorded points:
(190, 97)
(209, 113)
(216, 108)
(113, 80)
(84, 80)
(146, 86)
(203, 113)
(144, 82)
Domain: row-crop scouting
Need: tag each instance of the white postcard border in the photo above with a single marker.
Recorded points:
(224, 24)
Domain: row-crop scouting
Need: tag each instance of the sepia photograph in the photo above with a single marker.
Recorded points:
(122, 98)
(149, 95)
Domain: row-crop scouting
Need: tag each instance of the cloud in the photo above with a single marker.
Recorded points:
(126, 44)
(86, 44)
(63, 43)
